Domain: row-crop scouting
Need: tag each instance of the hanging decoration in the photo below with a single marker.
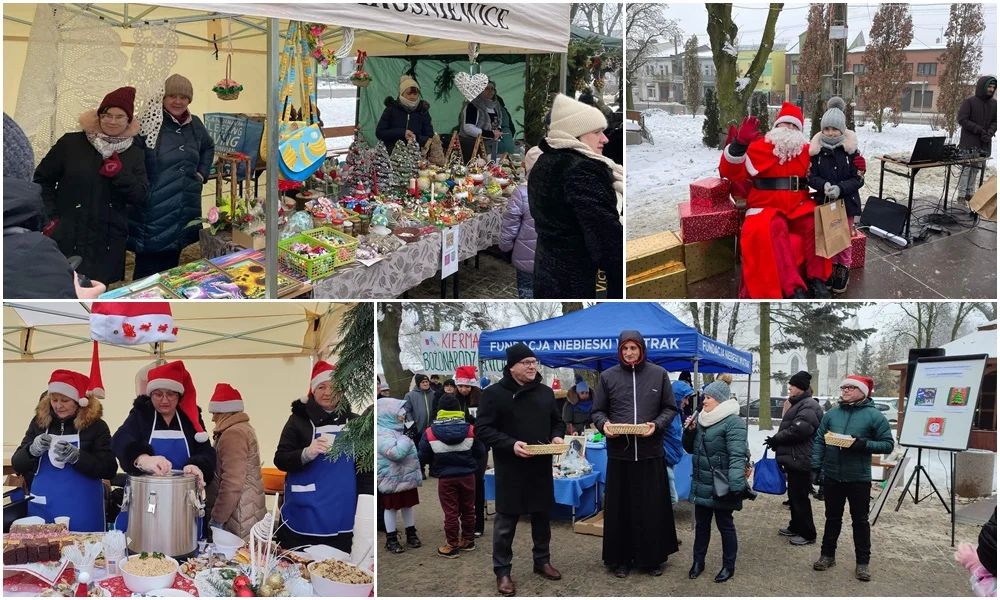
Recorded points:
(471, 85)
(444, 82)
(228, 88)
(360, 77)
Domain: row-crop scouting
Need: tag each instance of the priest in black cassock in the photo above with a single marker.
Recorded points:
(638, 517)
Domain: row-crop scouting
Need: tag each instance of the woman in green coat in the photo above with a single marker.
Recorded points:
(717, 440)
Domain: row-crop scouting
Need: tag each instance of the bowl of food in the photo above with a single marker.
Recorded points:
(336, 578)
(146, 572)
(274, 479)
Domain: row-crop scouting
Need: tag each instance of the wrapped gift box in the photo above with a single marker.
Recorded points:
(710, 225)
(652, 251)
(857, 250)
(665, 281)
(708, 258)
(709, 194)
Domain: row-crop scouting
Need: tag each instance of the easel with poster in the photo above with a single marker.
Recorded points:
(939, 414)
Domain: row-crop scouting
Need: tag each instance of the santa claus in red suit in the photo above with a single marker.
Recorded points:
(777, 242)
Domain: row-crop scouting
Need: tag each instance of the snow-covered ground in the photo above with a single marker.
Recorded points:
(937, 463)
(657, 176)
(337, 112)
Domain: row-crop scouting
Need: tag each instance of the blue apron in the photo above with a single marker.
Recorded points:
(171, 445)
(66, 492)
(321, 499)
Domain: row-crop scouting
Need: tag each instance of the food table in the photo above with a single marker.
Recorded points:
(574, 495)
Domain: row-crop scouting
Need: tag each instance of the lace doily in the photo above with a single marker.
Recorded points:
(153, 57)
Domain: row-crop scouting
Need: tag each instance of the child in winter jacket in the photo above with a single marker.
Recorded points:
(450, 448)
(399, 473)
(517, 232)
(837, 172)
(981, 562)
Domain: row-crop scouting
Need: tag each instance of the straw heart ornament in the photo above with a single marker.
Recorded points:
(471, 85)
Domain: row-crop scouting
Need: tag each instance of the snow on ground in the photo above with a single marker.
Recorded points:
(334, 85)
(657, 176)
(337, 112)
(937, 462)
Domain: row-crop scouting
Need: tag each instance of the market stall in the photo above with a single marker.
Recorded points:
(378, 31)
(217, 342)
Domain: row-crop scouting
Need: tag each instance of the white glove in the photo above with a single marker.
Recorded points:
(831, 191)
(157, 465)
(40, 445)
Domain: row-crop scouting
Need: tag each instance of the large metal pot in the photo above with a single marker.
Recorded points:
(163, 513)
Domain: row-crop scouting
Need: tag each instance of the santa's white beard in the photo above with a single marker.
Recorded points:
(788, 143)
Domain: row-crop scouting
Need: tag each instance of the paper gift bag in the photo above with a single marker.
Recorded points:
(833, 230)
(985, 200)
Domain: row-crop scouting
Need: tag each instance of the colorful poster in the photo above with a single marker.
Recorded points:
(449, 251)
(934, 427)
(443, 351)
(924, 399)
(958, 396)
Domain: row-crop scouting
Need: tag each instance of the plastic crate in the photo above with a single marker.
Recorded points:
(311, 268)
(345, 253)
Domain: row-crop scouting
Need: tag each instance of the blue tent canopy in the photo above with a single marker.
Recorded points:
(588, 339)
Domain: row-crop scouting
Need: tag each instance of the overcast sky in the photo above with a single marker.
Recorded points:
(929, 22)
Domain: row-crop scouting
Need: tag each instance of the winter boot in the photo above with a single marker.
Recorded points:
(861, 572)
(818, 289)
(824, 563)
(411, 538)
(448, 551)
(467, 545)
(837, 283)
(392, 543)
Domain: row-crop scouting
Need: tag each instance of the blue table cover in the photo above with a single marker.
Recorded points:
(570, 493)
(597, 455)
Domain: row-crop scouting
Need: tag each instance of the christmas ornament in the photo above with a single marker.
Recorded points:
(471, 85)
(266, 590)
(276, 580)
(228, 88)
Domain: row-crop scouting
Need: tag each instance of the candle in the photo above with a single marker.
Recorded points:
(432, 191)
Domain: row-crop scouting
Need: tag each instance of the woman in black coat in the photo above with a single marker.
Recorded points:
(405, 117)
(574, 193)
(90, 179)
(179, 164)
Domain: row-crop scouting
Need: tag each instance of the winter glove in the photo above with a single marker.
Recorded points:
(40, 445)
(832, 192)
(817, 476)
(769, 442)
(859, 445)
(985, 136)
(112, 166)
(66, 452)
(859, 162)
(748, 131)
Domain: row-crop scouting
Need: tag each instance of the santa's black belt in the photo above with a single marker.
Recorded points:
(792, 184)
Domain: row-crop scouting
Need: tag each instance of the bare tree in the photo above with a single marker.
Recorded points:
(389, 323)
(604, 18)
(645, 25)
(886, 71)
(961, 61)
(816, 57)
(734, 91)
(692, 76)
(532, 312)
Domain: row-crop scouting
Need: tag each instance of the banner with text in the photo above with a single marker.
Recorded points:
(443, 351)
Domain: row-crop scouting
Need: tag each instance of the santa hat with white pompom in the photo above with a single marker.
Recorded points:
(126, 324)
(173, 376)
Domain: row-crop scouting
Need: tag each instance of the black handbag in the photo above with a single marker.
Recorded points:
(720, 480)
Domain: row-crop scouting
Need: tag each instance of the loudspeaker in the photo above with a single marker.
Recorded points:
(887, 215)
(911, 362)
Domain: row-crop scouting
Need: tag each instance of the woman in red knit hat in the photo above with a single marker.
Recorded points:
(90, 179)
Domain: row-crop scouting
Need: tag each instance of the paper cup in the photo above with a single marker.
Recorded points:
(62, 521)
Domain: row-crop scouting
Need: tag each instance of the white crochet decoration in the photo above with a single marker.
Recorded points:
(153, 57)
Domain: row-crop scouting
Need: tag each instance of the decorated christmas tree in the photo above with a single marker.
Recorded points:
(381, 169)
(358, 164)
(405, 162)
(352, 380)
(435, 152)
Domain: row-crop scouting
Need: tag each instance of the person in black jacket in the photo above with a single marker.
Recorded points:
(574, 194)
(450, 448)
(68, 430)
(483, 116)
(517, 411)
(178, 167)
(977, 116)
(639, 519)
(793, 446)
(321, 495)
(90, 179)
(33, 265)
(837, 172)
(987, 549)
(406, 117)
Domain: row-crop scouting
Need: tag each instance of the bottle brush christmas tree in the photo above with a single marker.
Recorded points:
(405, 162)
(381, 169)
(358, 164)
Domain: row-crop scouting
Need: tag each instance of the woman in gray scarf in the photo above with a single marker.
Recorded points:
(405, 117)
(481, 117)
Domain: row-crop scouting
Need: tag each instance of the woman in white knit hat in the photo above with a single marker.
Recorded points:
(575, 194)
(406, 117)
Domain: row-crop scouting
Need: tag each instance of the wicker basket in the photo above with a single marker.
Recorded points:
(543, 449)
(311, 268)
(343, 253)
(832, 440)
(626, 428)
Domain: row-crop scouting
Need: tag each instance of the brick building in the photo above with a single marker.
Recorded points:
(920, 94)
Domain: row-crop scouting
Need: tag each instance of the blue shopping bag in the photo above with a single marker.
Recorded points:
(767, 476)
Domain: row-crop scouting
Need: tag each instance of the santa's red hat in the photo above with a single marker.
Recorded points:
(70, 384)
(132, 323)
(96, 387)
(556, 385)
(226, 399)
(865, 384)
(466, 376)
(173, 376)
(322, 371)
(790, 113)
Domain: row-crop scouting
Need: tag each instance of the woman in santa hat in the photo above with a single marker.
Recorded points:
(321, 495)
(66, 454)
(236, 496)
(148, 441)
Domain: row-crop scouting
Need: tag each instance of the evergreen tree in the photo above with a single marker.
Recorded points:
(849, 116)
(353, 381)
(758, 108)
(358, 164)
(710, 129)
(692, 76)
(405, 162)
(817, 328)
(819, 107)
(381, 169)
(866, 361)
(960, 61)
(886, 70)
